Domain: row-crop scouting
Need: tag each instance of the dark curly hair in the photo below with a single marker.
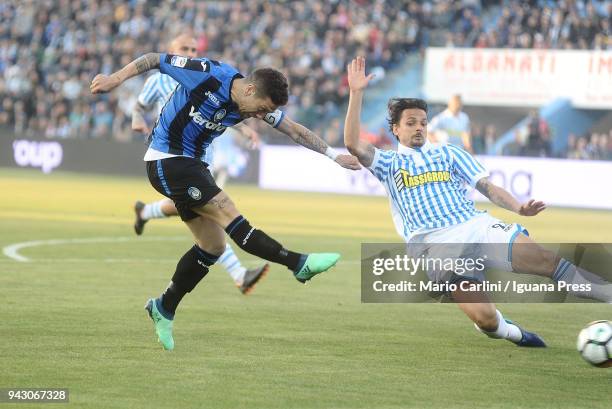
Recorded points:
(397, 105)
(271, 83)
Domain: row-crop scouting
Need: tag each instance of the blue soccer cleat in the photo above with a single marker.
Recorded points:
(529, 339)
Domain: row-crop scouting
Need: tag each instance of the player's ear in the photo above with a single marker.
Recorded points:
(250, 89)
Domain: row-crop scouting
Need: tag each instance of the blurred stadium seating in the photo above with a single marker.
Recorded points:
(50, 50)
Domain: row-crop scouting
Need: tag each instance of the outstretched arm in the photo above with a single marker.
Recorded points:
(308, 139)
(504, 199)
(357, 79)
(105, 83)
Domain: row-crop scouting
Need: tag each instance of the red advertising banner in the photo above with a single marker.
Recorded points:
(506, 77)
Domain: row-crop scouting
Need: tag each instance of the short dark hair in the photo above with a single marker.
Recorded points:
(397, 105)
(271, 83)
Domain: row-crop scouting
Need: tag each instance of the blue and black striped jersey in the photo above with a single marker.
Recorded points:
(200, 108)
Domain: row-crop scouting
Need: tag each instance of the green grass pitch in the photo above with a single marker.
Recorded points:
(72, 316)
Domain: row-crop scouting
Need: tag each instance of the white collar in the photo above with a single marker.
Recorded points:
(405, 150)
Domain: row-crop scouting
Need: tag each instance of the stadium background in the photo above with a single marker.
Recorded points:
(70, 170)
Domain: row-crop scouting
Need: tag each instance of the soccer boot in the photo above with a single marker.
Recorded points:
(140, 222)
(314, 264)
(252, 277)
(529, 339)
(163, 326)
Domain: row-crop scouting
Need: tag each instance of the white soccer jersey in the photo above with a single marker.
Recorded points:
(157, 90)
(451, 126)
(427, 186)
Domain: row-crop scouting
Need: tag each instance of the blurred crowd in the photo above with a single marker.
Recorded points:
(562, 24)
(535, 138)
(596, 146)
(591, 146)
(51, 49)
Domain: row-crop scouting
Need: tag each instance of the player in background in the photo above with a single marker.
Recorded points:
(436, 210)
(451, 125)
(156, 92)
(211, 96)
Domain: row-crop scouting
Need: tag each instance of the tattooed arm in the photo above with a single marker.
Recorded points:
(308, 139)
(302, 135)
(105, 83)
(505, 200)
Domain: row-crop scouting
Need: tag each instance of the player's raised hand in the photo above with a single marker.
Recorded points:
(104, 83)
(531, 208)
(348, 161)
(356, 74)
(252, 136)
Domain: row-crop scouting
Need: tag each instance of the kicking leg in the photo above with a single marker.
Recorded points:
(156, 210)
(530, 258)
(222, 210)
(488, 320)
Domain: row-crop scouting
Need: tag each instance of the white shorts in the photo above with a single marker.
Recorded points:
(482, 237)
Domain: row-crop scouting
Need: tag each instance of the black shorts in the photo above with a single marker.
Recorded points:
(186, 181)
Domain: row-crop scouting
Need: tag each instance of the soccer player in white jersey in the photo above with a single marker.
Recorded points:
(435, 209)
(452, 125)
(157, 90)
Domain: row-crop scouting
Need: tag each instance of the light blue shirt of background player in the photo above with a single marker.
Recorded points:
(451, 125)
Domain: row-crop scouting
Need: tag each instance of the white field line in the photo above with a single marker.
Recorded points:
(12, 250)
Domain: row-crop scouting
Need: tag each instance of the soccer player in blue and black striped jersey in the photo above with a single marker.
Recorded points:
(156, 92)
(426, 185)
(210, 97)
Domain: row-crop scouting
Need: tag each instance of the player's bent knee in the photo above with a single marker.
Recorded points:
(221, 209)
(216, 248)
(230, 211)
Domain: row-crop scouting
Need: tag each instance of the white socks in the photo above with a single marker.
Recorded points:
(232, 265)
(600, 289)
(153, 211)
(505, 330)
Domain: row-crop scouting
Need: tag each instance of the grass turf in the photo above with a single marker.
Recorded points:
(72, 316)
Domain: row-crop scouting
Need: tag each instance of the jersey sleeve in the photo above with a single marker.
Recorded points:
(381, 163)
(466, 166)
(150, 91)
(274, 118)
(189, 72)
